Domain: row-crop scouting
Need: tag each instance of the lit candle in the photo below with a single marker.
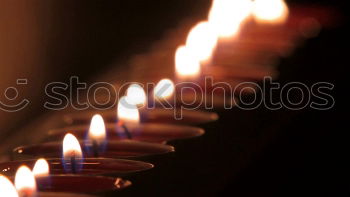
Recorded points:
(145, 132)
(111, 148)
(227, 16)
(25, 182)
(196, 94)
(224, 20)
(162, 94)
(136, 95)
(91, 166)
(96, 144)
(7, 189)
(257, 44)
(41, 168)
(201, 41)
(164, 89)
(128, 113)
(97, 134)
(157, 116)
(270, 11)
(72, 154)
(46, 182)
(187, 66)
(29, 184)
(116, 147)
(127, 124)
(41, 171)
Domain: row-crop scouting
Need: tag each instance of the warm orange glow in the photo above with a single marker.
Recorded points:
(7, 189)
(201, 41)
(271, 11)
(136, 94)
(97, 130)
(25, 182)
(226, 16)
(127, 112)
(41, 168)
(186, 65)
(164, 89)
(71, 147)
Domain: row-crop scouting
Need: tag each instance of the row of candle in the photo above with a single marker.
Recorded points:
(28, 181)
(224, 24)
(137, 130)
(247, 54)
(197, 57)
(127, 138)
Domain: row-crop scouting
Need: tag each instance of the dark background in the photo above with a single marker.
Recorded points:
(245, 153)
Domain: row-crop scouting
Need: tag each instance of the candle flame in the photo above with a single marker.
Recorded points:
(201, 41)
(164, 89)
(127, 112)
(71, 147)
(97, 130)
(226, 16)
(25, 182)
(186, 65)
(271, 11)
(136, 94)
(41, 168)
(7, 189)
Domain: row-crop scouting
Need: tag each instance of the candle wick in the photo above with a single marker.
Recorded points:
(126, 130)
(95, 148)
(73, 164)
